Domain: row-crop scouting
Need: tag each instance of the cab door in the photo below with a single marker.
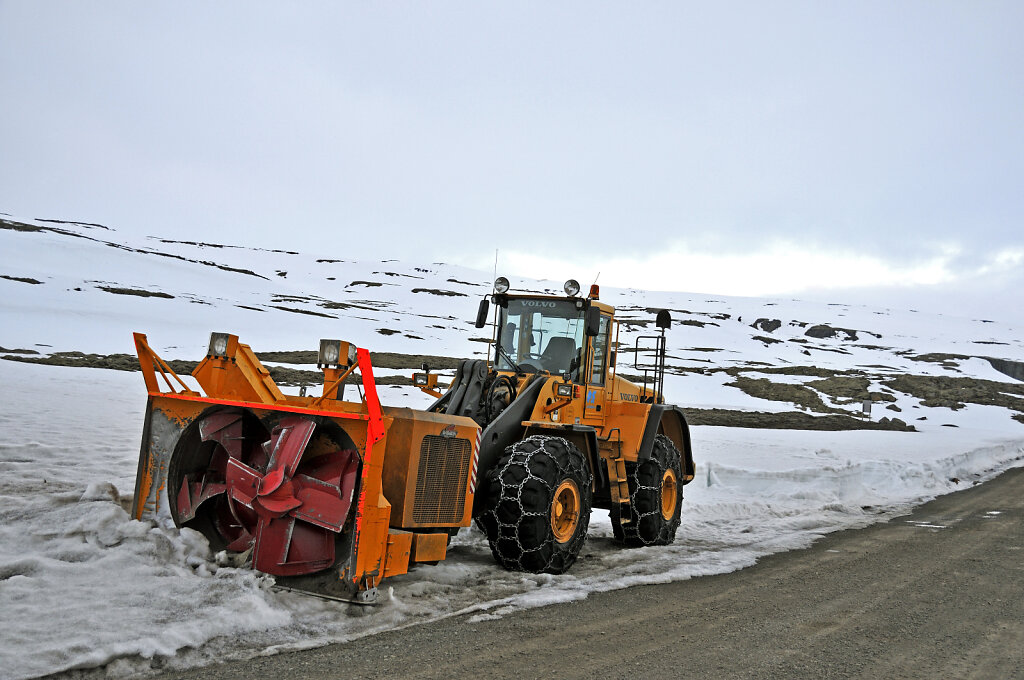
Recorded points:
(596, 376)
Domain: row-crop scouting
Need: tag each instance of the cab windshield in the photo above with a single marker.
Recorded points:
(541, 335)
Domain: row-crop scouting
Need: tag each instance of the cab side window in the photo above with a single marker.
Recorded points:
(597, 368)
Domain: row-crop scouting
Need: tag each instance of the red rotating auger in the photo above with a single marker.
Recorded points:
(268, 492)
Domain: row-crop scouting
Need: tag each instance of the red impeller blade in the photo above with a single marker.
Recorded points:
(193, 493)
(286, 547)
(226, 430)
(235, 522)
(320, 486)
(198, 487)
(279, 501)
(243, 481)
(287, 443)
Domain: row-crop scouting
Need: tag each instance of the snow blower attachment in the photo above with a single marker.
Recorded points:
(341, 494)
(302, 483)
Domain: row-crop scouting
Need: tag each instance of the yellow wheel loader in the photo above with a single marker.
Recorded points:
(333, 496)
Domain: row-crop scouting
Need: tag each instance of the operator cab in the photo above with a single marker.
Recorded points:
(537, 335)
(544, 333)
(571, 338)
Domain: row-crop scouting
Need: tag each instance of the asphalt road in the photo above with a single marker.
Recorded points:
(937, 593)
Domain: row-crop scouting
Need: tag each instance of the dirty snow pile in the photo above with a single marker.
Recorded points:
(83, 586)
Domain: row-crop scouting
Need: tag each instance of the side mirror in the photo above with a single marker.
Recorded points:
(663, 320)
(481, 313)
(592, 321)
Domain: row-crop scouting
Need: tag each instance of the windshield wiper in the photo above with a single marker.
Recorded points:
(508, 358)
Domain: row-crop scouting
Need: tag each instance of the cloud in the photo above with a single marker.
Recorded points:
(783, 268)
(948, 279)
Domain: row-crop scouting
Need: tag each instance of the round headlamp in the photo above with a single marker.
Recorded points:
(331, 354)
(501, 285)
(572, 286)
(218, 345)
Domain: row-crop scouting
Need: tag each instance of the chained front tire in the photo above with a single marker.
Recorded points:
(537, 507)
(655, 497)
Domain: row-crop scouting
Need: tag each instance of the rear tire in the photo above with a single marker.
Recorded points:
(655, 497)
(537, 507)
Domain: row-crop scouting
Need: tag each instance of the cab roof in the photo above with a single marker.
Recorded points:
(604, 307)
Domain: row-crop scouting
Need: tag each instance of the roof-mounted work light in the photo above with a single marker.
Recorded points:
(501, 285)
(572, 287)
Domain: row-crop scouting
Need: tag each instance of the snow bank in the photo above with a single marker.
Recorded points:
(82, 584)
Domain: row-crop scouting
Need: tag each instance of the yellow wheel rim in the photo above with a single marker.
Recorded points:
(669, 494)
(565, 511)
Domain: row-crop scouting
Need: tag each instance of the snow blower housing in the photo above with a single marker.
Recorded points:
(525, 442)
(302, 482)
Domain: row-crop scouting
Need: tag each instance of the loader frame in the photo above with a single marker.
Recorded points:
(611, 420)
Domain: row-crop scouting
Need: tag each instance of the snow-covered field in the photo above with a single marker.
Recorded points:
(82, 585)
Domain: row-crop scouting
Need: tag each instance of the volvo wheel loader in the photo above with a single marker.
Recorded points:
(334, 495)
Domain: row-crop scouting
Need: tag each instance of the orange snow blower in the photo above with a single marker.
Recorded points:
(256, 470)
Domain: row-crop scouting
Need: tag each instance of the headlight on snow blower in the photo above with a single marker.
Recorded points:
(218, 345)
(336, 353)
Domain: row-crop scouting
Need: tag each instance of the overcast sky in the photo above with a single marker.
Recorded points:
(852, 151)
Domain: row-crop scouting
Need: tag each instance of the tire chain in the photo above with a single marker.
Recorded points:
(638, 532)
(519, 505)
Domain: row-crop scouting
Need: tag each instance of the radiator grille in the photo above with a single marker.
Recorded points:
(441, 480)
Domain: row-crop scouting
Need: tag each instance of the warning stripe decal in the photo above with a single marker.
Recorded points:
(473, 467)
